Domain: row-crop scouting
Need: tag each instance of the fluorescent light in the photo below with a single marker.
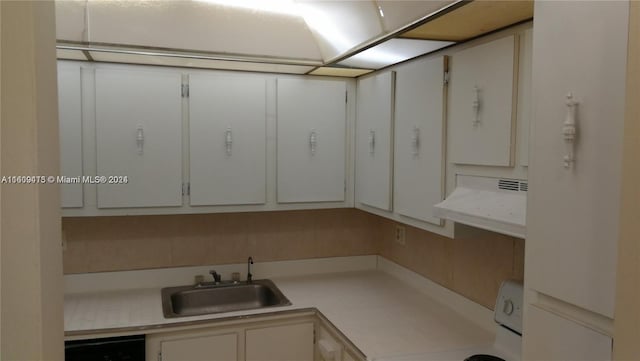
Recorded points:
(342, 72)
(392, 51)
(284, 7)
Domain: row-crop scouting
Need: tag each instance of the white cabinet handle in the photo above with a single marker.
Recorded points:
(415, 140)
(140, 139)
(372, 142)
(569, 130)
(476, 106)
(313, 142)
(228, 140)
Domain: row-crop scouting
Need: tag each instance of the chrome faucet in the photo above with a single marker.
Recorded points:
(216, 276)
(249, 275)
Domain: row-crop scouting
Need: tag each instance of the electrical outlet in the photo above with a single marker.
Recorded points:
(400, 232)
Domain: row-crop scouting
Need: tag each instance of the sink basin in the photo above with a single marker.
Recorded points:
(225, 297)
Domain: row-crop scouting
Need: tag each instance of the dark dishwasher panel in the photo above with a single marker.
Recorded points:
(127, 348)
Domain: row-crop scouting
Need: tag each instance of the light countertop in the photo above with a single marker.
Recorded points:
(380, 314)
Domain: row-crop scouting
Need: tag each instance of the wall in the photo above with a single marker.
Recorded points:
(31, 273)
(627, 318)
(97, 244)
(473, 264)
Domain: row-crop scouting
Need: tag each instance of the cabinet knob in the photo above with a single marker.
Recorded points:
(476, 106)
(569, 130)
(140, 139)
(228, 140)
(372, 141)
(415, 141)
(313, 142)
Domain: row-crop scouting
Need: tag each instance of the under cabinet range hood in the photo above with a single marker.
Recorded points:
(494, 204)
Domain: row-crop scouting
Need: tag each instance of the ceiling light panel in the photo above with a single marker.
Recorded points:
(341, 72)
(391, 52)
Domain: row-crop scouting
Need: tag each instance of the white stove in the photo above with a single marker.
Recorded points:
(507, 345)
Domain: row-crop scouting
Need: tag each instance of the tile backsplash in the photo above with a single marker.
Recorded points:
(96, 244)
(473, 264)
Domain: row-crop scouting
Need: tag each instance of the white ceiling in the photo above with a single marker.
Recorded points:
(304, 32)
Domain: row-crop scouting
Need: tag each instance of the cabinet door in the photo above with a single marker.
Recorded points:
(552, 338)
(311, 140)
(419, 155)
(573, 212)
(70, 118)
(481, 112)
(524, 95)
(374, 140)
(201, 348)
(280, 343)
(139, 135)
(227, 127)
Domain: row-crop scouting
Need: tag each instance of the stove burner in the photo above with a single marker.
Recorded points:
(483, 358)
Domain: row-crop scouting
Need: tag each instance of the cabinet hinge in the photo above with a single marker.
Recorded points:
(186, 189)
(185, 90)
(314, 335)
(159, 356)
(346, 96)
(446, 77)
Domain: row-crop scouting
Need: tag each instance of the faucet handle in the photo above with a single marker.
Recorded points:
(216, 276)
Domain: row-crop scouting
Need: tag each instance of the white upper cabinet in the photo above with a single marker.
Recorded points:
(70, 118)
(419, 139)
(311, 130)
(481, 104)
(374, 140)
(579, 67)
(524, 95)
(139, 135)
(227, 135)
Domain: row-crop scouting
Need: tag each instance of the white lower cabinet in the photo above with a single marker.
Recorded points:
(347, 357)
(560, 339)
(293, 337)
(222, 347)
(280, 343)
(330, 347)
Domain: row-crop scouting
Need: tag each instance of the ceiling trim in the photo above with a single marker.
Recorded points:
(180, 53)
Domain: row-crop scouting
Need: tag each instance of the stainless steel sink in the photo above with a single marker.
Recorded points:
(224, 297)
